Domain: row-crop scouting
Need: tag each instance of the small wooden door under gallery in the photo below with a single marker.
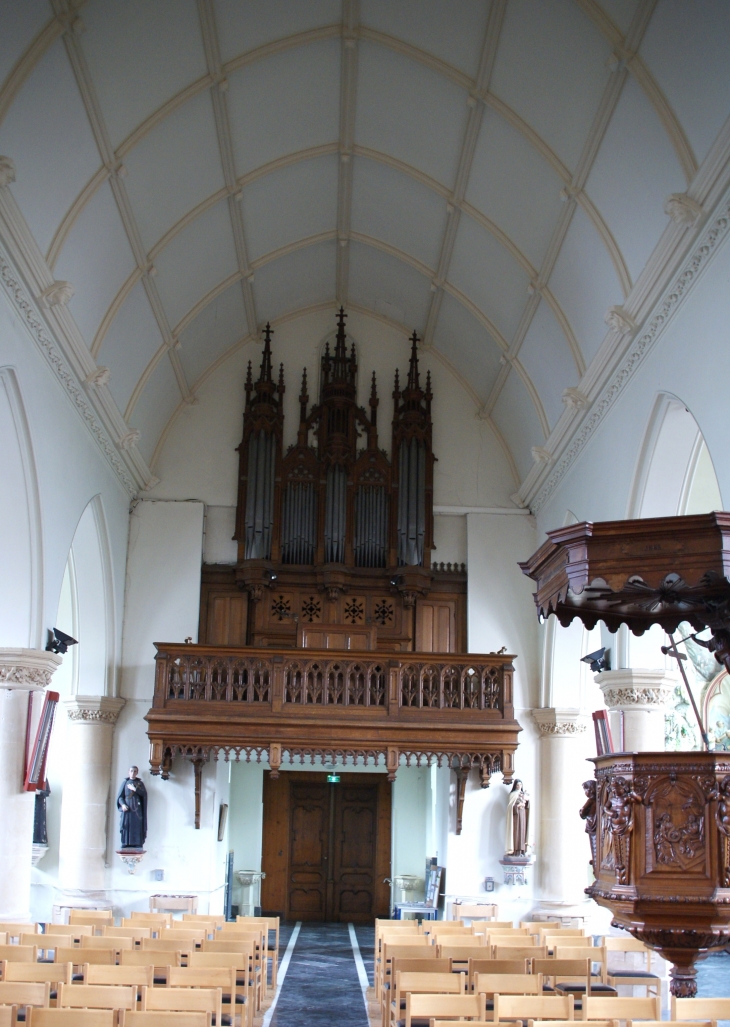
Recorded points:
(326, 846)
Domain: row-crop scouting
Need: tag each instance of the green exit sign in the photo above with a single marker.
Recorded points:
(333, 779)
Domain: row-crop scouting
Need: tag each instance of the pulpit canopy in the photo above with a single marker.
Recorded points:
(659, 570)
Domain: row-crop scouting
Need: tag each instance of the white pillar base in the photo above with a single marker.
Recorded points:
(21, 671)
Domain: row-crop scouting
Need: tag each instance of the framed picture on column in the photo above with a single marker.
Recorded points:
(35, 758)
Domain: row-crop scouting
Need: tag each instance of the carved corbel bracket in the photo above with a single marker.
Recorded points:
(275, 759)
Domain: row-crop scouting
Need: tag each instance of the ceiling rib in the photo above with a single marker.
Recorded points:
(218, 94)
(348, 95)
(466, 157)
(591, 146)
(24, 65)
(646, 81)
(88, 95)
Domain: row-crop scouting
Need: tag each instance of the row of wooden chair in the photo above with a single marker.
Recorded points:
(37, 1017)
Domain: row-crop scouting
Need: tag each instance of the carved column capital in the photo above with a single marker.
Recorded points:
(636, 689)
(93, 709)
(29, 669)
(562, 722)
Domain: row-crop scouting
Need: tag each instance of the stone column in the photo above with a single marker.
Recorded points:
(562, 848)
(86, 783)
(643, 697)
(21, 671)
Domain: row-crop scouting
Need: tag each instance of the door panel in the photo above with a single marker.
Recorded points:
(336, 846)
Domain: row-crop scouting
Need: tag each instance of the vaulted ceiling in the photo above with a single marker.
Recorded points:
(493, 175)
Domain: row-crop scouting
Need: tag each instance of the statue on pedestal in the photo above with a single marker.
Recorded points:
(517, 835)
(132, 803)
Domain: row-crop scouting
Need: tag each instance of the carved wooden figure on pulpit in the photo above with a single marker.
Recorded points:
(132, 804)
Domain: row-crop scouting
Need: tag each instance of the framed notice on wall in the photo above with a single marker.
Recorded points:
(36, 748)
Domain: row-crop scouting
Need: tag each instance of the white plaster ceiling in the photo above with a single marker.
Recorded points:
(492, 174)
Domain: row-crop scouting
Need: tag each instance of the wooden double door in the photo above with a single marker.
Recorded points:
(326, 847)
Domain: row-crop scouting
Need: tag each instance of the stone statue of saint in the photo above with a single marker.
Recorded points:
(517, 835)
(132, 803)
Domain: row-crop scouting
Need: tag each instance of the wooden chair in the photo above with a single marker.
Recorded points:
(70, 1018)
(157, 1019)
(506, 929)
(249, 974)
(166, 945)
(460, 954)
(519, 952)
(571, 976)
(94, 917)
(8, 1016)
(183, 1000)
(413, 966)
(561, 1023)
(125, 976)
(496, 966)
(4, 938)
(96, 996)
(259, 936)
(533, 1007)
(671, 1023)
(38, 973)
(233, 995)
(194, 934)
(453, 1007)
(597, 956)
(699, 1009)
(24, 994)
(271, 923)
(446, 944)
(158, 960)
(427, 983)
(620, 1008)
(393, 950)
(517, 941)
(19, 953)
(507, 984)
(135, 933)
(630, 975)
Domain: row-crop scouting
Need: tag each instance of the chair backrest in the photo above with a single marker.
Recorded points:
(151, 918)
(423, 966)
(401, 938)
(561, 1023)
(617, 1007)
(78, 956)
(519, 952)
(506, 929)
(135, 933)
(183, 1000)
(19, 953)
(73, 930)
(164, 1019)
(96, 996)
(497, 966)
(8, 1016)
(670, 1023)
(596, 953)
(619, 943)
(460, 953)
(193, 934)
(14, 930)
(202, 977)
(37, 972)
(229, 945)
(129, 976)
(207, 959)
(107, 941)
(537, 1007)
(566, 932)
(143, 957)
(512, 940)
(563, 969)
(699, 1009)
(394, 950)
(70, 1018)
(508, 984)
(426, 1006)
(167, 945)
(464, 941)
(423, 983)
(91, 916)
(25, 993)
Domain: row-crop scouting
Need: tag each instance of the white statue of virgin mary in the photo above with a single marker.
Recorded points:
(517, 834)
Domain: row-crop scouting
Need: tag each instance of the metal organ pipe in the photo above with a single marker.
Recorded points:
(411, 501)
(260, 495)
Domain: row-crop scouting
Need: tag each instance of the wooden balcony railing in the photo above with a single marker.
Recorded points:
(239, 701)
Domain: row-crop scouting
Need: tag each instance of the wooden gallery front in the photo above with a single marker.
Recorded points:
(334, 639)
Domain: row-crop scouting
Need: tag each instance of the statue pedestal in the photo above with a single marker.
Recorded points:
(131, 858)
(663, 853)
(515, 868)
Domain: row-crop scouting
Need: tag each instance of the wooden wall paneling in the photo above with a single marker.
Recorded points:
(227, 620)
(383, 848)
(436, 626)
(275, 845)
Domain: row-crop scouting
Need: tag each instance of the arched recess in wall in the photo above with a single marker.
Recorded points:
(21, 538)
(674, 476)
(86, 608)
